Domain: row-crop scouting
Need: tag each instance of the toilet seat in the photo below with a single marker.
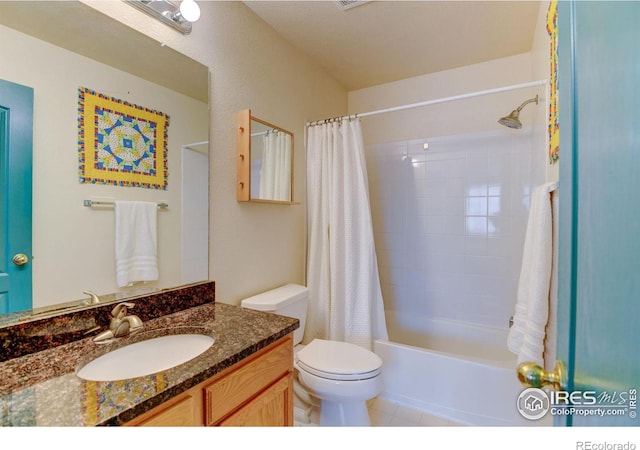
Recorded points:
(340, 361)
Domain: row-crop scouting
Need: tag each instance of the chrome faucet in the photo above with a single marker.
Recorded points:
(121, 323)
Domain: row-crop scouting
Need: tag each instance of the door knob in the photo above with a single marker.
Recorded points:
(533, 376)
(20, 259)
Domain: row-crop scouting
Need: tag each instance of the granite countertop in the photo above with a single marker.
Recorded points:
(42, 388)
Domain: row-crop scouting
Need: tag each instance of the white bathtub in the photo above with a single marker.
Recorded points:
(451, 369)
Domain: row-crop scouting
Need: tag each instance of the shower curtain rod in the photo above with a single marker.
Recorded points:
(262, 133)
(436, 101)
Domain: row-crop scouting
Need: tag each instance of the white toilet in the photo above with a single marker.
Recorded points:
(334, 379)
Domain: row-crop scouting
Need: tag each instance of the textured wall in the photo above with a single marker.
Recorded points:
(253, 247)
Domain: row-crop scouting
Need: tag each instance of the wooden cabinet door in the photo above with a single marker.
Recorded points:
(272, 408)
(241, 384)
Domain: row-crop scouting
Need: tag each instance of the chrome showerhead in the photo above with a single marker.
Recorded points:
(513, 119)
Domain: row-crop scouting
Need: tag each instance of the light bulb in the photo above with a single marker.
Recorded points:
(190, 10)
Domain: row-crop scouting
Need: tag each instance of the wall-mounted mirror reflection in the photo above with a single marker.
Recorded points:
(265, 161)
(55, 48)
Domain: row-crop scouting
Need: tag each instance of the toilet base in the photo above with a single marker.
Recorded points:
(344, 414)
(303, 418)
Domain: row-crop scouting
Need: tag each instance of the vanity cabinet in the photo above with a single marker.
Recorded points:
(184, 410)
(257, 391)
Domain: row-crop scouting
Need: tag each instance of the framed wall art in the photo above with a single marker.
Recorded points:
(120, 143)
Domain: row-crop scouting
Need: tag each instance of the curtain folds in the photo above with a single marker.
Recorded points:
(345, 298)
(275, 175)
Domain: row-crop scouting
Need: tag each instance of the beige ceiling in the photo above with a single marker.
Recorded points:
(384, 41)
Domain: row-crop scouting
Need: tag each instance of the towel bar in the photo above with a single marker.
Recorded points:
(90, 203)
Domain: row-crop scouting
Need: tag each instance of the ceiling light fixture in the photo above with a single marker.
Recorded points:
(179, 16)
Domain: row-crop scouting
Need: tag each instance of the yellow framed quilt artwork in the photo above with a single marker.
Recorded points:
(553, 125)
(120, 143)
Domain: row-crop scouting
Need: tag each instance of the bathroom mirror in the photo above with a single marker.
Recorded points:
(265, 161)
(56, 47)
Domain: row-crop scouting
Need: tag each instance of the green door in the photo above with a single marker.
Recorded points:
(16, 153)
(599, 248)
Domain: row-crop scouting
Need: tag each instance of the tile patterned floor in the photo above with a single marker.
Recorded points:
(387, 414)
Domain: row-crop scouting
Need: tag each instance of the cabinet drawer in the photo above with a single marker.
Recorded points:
(183, 413)
(231, 391)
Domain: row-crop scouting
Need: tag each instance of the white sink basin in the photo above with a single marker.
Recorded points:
(146, 357)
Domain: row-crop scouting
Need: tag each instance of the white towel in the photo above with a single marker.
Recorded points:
(526, 335)
(136, 242)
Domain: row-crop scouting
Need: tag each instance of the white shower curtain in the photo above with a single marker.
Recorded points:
(275, 175)
(345, 298)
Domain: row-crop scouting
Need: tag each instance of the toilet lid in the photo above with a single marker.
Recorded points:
(338, 360)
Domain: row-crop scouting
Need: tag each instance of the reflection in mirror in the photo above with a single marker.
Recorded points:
(56, 48)
(265, 161)
(270, 162)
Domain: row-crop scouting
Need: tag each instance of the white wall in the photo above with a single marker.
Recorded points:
(253, 247)
(450, 221)
(195, 214)
(73, 246)
(461, 116)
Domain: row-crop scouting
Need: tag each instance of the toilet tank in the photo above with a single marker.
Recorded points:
(289, 300)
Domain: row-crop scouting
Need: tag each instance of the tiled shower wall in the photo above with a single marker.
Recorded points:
(449, 223)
